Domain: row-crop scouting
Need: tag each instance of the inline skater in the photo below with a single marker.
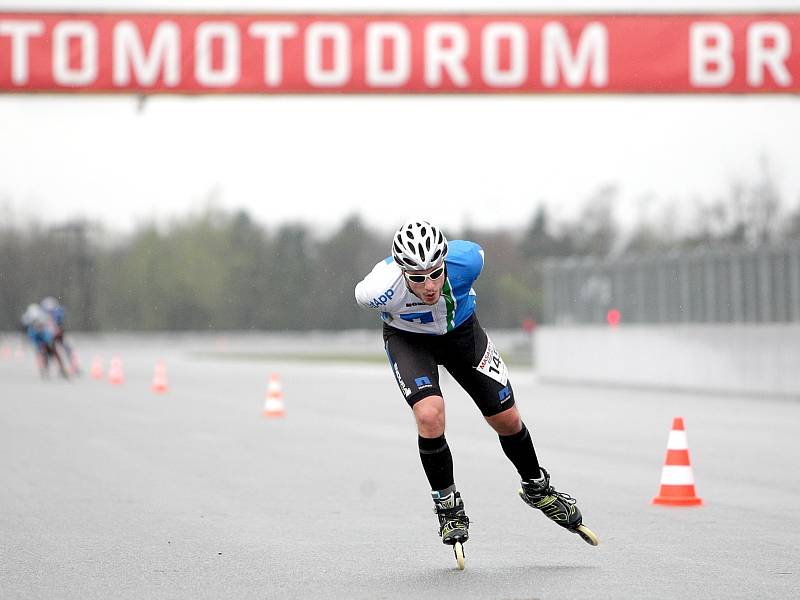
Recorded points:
(41, 333)
(57, 314)
(423, 293)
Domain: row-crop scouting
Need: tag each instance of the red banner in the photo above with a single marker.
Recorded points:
(269, 54)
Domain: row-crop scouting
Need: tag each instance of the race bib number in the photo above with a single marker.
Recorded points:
(492, 364)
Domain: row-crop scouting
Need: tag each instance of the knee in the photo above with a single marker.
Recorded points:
(507, 422)
(429, 413)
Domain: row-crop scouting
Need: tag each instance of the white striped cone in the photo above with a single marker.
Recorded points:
(160, 384)
(96, 370)
(273, 406)
(116, 376)
(677, 479)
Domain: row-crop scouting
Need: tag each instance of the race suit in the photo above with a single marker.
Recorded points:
(419, 337)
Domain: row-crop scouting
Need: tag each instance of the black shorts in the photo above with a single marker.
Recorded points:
(467, 354)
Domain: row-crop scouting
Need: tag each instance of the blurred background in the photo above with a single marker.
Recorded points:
(260, 213)
(198, 248)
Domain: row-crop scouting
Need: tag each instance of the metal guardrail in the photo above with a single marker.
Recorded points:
(734, 285)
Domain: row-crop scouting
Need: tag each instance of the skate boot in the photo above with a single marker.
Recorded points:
(557, 506)
(453, 521)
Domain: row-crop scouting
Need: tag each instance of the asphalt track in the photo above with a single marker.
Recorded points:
(116, 492)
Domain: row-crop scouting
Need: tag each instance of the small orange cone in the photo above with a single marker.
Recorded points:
(115, 374)
(96, 370)
(160, 384)
(677, 479)
(273, 406)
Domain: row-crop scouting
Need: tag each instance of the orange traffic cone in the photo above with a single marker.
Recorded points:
(677, 480)
(96, 370)
(160, 378)
(273, 406)
(115, 374)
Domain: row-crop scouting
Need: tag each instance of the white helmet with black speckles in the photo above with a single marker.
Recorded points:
(49, 303)
(418, 246)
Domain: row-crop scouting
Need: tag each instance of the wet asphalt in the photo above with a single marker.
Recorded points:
(118, 492)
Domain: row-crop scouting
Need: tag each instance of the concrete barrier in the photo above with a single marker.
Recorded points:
(747, 359)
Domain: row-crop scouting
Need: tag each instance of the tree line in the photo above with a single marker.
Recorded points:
(222, 270)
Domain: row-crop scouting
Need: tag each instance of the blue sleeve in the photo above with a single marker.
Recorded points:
(464, 261)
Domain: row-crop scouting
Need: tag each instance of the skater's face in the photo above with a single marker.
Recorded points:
(430, 287)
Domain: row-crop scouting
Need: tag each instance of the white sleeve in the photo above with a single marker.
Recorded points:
(363, 297)
(376, 290)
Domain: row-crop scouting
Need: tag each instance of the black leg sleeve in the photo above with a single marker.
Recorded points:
(437, 462)
(518, 447)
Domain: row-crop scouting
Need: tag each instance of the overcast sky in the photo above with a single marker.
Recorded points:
(484, 160)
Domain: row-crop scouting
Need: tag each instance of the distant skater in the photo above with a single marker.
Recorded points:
(40, 330)
(58, 316)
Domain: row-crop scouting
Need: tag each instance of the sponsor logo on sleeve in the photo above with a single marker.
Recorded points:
(400, 382)
(504, 394)
(423, 382)
(382, 299)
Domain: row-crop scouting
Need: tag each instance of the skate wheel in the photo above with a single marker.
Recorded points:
(458, 549)
(587, 535)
